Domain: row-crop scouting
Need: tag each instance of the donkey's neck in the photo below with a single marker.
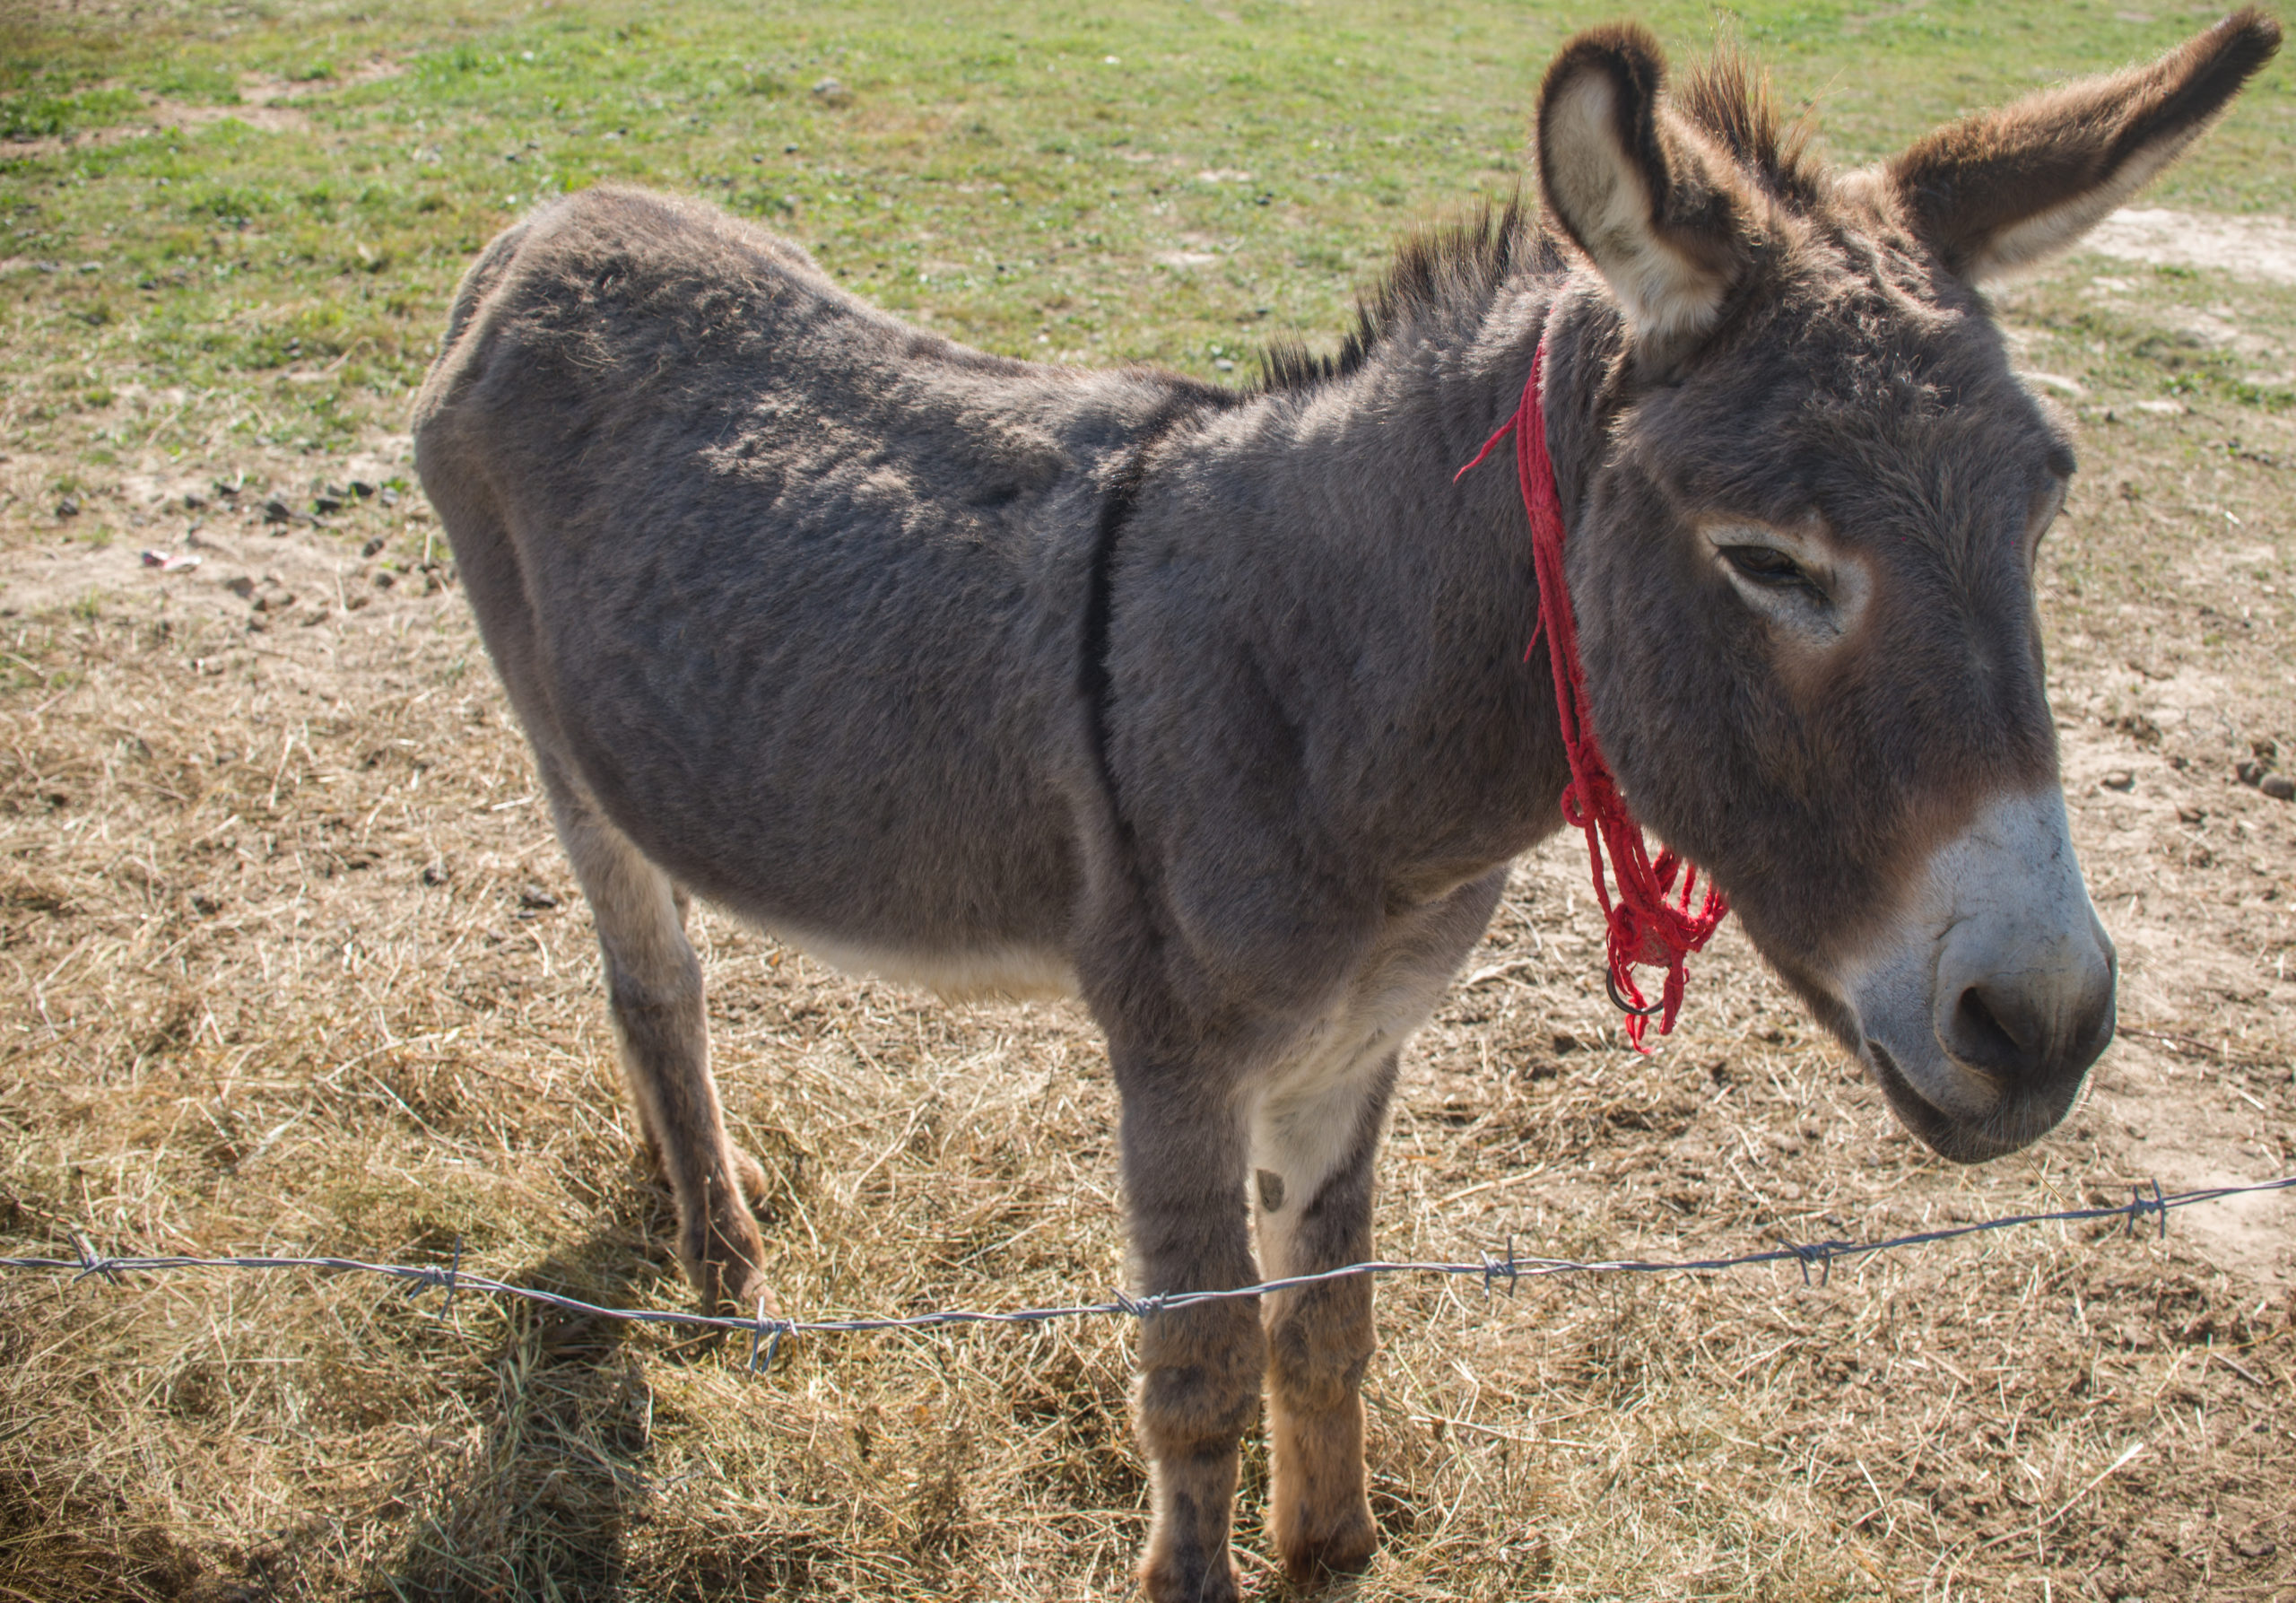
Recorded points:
(1433, 577)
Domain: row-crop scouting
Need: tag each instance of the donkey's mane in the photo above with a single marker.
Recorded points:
(1440, 267)
(1463, 263)
(1730, 98)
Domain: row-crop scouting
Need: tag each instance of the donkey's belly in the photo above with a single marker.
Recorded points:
(811, 738)
(991, 970)
(925, 857)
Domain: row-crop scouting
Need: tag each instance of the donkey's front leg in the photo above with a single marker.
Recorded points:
(1200, 1366)
(1315, 1214)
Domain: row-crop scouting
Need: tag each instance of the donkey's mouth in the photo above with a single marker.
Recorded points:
(2013, 1124)
(1982, 1008)
(1931, 1123)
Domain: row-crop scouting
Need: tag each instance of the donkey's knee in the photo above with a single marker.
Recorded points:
(1320, 1342)
(1200, 1370)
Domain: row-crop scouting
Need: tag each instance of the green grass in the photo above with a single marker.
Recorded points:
(1109, 183)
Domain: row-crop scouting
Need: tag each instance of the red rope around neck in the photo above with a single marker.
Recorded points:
(1650, 923)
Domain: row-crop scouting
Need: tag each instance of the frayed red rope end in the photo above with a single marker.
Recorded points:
(1649, 924)
(1489, 446)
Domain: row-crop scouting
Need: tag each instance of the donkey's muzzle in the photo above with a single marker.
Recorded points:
(1983, 1013)
(2022, 1025)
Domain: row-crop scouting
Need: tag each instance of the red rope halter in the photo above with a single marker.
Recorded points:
(1650, 923)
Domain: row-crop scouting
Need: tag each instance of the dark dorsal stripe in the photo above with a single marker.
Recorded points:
(1092, 677)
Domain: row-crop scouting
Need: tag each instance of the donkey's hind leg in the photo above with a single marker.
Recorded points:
(654, 986)
(749, 1174)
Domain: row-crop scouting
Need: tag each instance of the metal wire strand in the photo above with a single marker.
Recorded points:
(766, 1332)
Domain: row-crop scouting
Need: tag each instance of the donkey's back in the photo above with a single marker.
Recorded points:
(764, 569)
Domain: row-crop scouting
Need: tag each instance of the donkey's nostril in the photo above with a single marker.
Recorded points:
(2030, 1037)
(1981, 1037)
(1997, 1031)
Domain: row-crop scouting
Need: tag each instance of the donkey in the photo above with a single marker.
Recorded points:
(1214, 706)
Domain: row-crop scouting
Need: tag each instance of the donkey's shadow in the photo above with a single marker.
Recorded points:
(539, 1503)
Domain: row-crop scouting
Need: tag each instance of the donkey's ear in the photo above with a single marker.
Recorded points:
(1636, 189)
(2014, 186)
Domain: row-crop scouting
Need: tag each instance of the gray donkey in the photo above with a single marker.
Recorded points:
(1214, 706)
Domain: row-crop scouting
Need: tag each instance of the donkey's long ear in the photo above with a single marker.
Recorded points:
(2012, 187)
(1642, 194)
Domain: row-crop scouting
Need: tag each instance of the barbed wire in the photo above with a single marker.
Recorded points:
(767, 1331)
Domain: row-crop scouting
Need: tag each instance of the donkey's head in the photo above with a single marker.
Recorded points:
(1801, 550)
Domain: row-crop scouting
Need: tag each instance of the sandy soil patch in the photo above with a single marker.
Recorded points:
(2257, 247)
(266, 104)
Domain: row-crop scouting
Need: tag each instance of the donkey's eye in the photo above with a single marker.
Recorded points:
(1767, 565)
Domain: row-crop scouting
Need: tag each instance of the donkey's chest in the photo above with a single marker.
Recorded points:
(1312, 1099)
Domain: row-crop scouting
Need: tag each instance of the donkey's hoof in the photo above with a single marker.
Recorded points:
(1163, 1581)
(753, 1297)
(723, 1260)
(738, 1290)
(1347, 1548)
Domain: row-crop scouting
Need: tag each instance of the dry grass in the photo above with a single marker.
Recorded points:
(300, 967)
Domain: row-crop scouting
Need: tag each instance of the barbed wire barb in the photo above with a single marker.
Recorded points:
(450, 1277)
(1820, 1253)
(89, 1262)
(771, 1328)
(1492, 1269)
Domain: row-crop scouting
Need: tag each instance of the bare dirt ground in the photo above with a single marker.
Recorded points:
(2262, 247)
(262, 104)
(293, 962)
